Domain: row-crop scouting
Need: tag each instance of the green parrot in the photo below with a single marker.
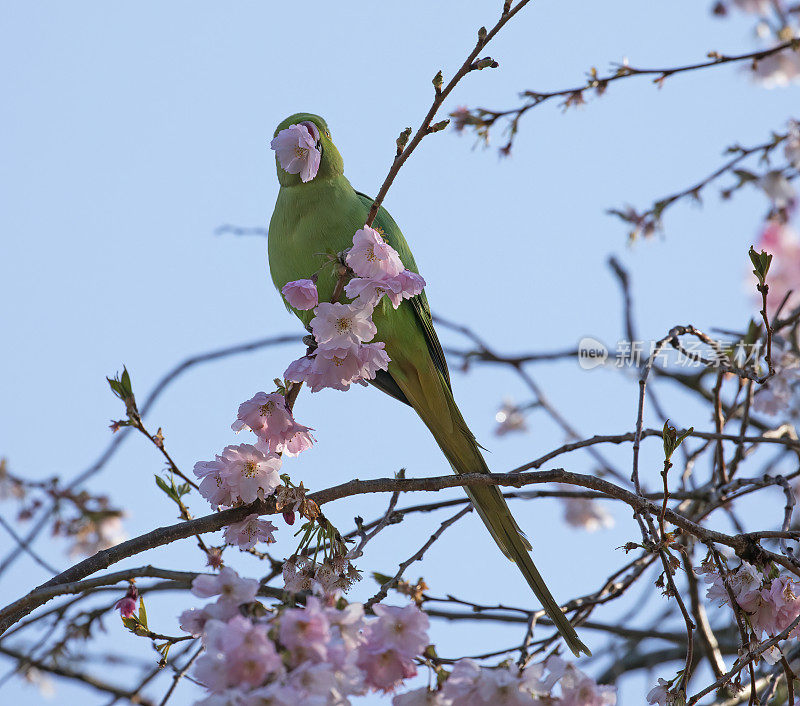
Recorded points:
(319, 215)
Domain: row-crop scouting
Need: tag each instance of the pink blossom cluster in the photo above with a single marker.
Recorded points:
(586, 513)
(232, 590)
(660, 694)
(343, 332)
(271, 420)
(791, 150)
(390, 645)
(780, 395)
(778, 70)
(771, 604)
(510, 418)
(241, 474)
(472, 685)
(758, 7)
(782, 68)
(93, 535)
(333, 574)
(783, 243)
(245, 473)
(316, 654)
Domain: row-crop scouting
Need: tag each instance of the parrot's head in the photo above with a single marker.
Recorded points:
(305, 155)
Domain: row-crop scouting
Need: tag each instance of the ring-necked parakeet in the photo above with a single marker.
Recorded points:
(316, 213)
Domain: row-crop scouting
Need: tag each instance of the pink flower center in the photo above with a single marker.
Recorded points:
(301, 152)
(342, 325)
(371, 254)
(250, 468)
(267, 408)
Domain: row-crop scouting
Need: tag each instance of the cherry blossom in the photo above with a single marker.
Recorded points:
(268, 417)
(229, 697)
(579, 689)
(98, 535)
(461, 118)
(791, 149)
(372, 257)
(509, 418)
(373, 358)
(241, 473)
(779, 607)
(503, 687)
(238, 652)
(214, 485)
(305, 631)
(295, 578)
(540, 677)
(586, 513)
(783, 243)
(301, 294)
(778, 70)
(250, 473)
(341, 325)
(778, 188)
(227, 585)
(404, 629)
(127, 605)
(422, 697)
(772, 607)
(275, 694)
(780, 395)
(194, 621)
(385, 670)
(368, 292)
(315, 684)
(297, 151)
(745, 584)
(411, 283)
(247, 533)
(461, 685)
(334, 367)
(659, 694)
(469, 684)
(757, 7)
(321, 654)
(346, 624)
(338, 368)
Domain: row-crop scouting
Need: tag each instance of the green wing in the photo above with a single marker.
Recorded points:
(419, 304)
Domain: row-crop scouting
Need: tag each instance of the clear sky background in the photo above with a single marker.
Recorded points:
(130, 131)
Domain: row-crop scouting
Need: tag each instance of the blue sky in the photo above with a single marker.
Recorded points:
(130, 132)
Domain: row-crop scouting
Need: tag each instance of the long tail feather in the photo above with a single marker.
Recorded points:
(494, 512)
(437, 408)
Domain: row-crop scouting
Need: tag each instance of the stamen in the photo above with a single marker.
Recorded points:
(267, 408)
